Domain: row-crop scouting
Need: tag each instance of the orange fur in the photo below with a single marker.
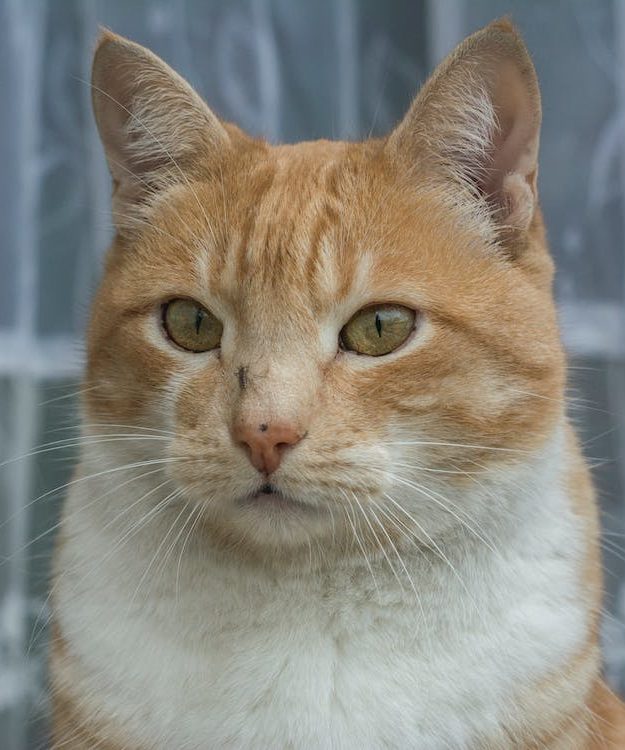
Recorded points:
(280, 242)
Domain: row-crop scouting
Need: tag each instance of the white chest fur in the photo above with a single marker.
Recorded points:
(212, 655)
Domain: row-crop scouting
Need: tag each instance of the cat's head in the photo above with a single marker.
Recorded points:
(331, 344)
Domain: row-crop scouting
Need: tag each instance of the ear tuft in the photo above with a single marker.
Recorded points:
(155, 129)
(505, 25)
(476, 123)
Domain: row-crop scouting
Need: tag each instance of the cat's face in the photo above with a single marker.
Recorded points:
(290, 419)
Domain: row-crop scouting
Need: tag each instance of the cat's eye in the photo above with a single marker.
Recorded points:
(191, 326)
(378, 329)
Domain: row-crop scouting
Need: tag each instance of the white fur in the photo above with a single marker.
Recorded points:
(213, 654)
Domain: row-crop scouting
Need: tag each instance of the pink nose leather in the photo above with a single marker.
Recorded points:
(266, 443)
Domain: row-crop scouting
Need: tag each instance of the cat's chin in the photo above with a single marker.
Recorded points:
(268, 523)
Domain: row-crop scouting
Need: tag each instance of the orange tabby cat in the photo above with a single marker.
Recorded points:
(328, 495)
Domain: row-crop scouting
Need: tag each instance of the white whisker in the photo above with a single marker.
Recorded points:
(359, 541)
(192, 528)
(457, 445)
(431, 494)
(177, 494)
(129, 533)
(380, 545)
(59, 445)
(89, 477)
(57, 525)
(434, 545)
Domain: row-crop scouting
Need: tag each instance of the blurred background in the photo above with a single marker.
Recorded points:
(288, 71)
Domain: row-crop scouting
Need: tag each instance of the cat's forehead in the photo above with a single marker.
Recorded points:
(290, 229)
(311, 153)
(319, 222)
(313, 227)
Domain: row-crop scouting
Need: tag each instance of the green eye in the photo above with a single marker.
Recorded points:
(191, 326)
(378, 329)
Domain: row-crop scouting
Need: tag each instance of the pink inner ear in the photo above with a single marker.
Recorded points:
(154, 127)
(509, 181)
(477, 122)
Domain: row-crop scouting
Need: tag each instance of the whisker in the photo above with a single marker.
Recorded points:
(396, 551)
(57, 525)
(603, 434)
(569, 401)
(66, 396)
(431, 496)
(380, 545)
(88, 425)
(124, 467)
(171, 548)
(391, 517)
(439, 551)
(458, 445)
(359, 541)
(437, 471)
(158, 549)
(128, 534)
(187, 538)
(58, 445)
(613, 548)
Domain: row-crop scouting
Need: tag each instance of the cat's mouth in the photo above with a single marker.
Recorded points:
(270, 496)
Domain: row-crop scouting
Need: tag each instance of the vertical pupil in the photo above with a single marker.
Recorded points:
(378, 324)
(199, 317)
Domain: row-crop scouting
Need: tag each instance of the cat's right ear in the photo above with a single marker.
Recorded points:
(155, 129)
(476, 124)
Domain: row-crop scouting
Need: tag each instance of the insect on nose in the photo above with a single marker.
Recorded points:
(266, 443)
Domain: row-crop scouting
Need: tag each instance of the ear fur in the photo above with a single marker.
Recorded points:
(155, 129)
(476, 122)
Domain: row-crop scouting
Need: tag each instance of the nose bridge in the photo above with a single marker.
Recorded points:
(272, 388)
(272, 407)
(274, 357)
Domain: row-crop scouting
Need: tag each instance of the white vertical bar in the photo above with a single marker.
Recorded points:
(24, 430)
(27, 24)
(446, 27)
(269, 70)
(616, 389)
(619, 23)
(347, 48)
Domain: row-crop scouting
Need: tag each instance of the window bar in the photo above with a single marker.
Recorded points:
(27, 23)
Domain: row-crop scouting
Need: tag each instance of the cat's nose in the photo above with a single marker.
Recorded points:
(266, 442)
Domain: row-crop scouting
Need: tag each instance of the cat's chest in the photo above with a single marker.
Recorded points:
(210, 664)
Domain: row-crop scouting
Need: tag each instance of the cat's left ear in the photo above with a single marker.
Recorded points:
(476, 122)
